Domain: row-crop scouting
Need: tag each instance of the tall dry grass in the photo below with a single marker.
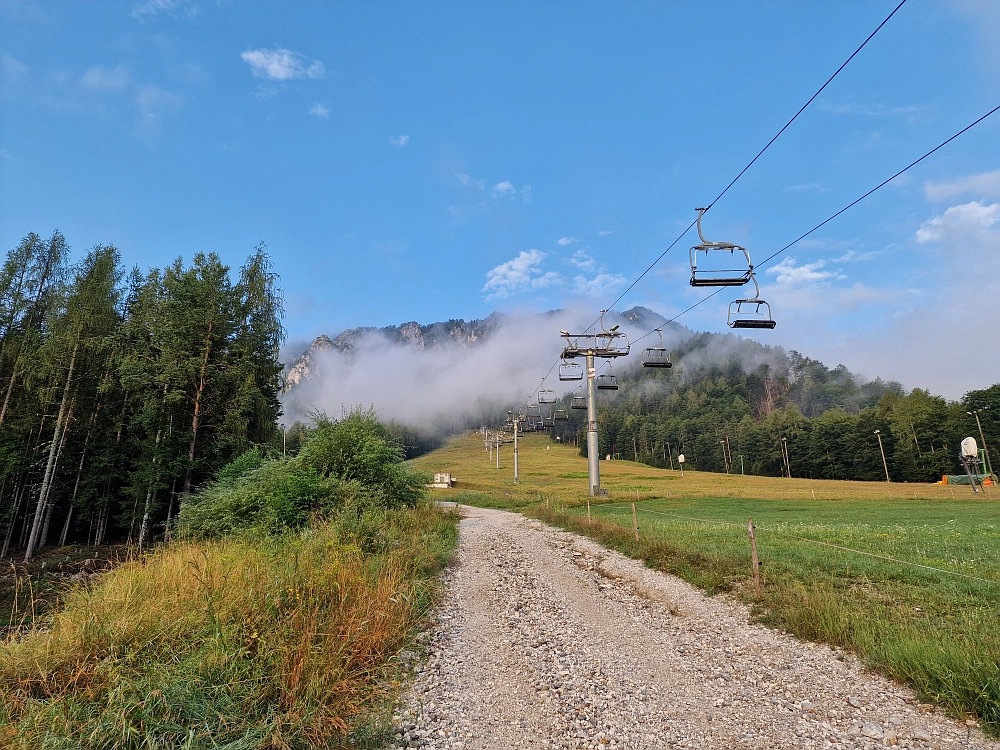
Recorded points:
(280, 642)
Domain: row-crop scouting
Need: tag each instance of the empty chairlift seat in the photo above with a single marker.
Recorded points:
(656, 356)
(546, 396)
(607, 382)
(570, 371)
(579, 402)
(750, 313)
(718, 263)
(561, 415)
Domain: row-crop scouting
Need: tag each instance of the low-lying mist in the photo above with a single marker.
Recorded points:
(455, 387)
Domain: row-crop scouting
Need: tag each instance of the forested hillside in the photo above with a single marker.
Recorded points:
(121, 391)
(827, 417)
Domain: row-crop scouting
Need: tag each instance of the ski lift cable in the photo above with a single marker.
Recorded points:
(759, 153)
(826, 221)
(737, 177)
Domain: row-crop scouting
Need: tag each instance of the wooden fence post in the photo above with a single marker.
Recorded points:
(588, 511)
(635, 523)
(753, 555)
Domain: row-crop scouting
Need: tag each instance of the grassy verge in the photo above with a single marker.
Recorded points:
(938, 632)
(238, 643)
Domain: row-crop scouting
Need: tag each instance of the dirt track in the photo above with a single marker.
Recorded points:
(546, 639)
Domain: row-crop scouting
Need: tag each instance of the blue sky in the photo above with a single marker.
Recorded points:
(429, 161)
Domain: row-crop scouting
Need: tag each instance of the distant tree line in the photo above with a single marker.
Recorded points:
(120, 392)
(827, 417)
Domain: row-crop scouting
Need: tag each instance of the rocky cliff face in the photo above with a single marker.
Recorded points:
(435, 336)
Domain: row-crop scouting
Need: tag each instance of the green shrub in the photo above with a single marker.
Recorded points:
(351, 467)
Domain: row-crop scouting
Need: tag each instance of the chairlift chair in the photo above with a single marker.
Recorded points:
(570, 371)
(750, 313)
(579, 402)
(560, 416)
(546, 396)
(656, 356)
(534, 411)
(607, 383)
(712, 276)
(611, 343)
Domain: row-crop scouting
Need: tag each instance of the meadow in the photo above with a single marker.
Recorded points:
(929, 616)
(239, 642)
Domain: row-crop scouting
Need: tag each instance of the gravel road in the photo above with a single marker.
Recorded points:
(548, 640)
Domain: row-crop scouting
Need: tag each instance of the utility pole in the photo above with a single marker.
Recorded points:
(784, 454)
(982, 438)
(284, 442)
(878, 434)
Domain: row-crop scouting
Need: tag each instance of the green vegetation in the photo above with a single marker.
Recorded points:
(935, 631)
(121, 393)
(827, 416)
(272, 623)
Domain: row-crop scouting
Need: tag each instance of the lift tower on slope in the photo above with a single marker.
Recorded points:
(603, 345)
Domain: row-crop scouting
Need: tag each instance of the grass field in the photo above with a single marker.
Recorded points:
(938, 631)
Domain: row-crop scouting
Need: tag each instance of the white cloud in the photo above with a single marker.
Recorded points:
(853, 256)
(318, 110)
(12, 72)
(526, 193)
(519, 274)
(469, 182)
(399, 141)
(960, 223)
(807, 186)
(787, 272)
(566, 241)
(503, 188)
(602, 285)
(150, 8)
(984, 185)
(872, 110)
(605, 232)
(106, 80)
(153, 103)
(281, 65)
(581, 260)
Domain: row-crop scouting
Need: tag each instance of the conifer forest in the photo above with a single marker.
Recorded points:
(122, 391)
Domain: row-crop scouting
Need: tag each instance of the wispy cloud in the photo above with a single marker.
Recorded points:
(12, 73)
(789, 273)
(564, 241)
(873, 110)
(605, 232)
(853, 256)
(807, 187)
(318, 110)
(150, 8)
(582, 260)
(153, 105)
(281, 65)
(985, 185)
(470, 182)
(503, 188)
(399, 141)
(102, 80)
(519, 274)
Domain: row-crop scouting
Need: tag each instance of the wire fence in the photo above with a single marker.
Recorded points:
(778, 532)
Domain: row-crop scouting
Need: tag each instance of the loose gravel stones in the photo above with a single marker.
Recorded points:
(547, 640)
